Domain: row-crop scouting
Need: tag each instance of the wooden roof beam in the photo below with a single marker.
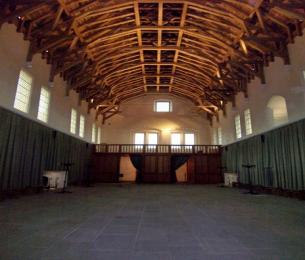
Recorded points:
(179, 41)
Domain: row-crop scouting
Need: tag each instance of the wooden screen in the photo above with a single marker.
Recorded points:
(156, 169)
(205, 169)
(106, 167)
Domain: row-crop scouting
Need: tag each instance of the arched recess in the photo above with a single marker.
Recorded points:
(278, 108)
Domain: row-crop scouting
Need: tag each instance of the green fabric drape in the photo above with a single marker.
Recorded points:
(283, 149)
(27, 148)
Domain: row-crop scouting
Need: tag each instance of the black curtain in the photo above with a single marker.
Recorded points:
(28, 148)
(176, 162)
(136, 160)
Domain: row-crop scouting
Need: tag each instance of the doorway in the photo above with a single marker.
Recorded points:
(128, 172)
(181, 174)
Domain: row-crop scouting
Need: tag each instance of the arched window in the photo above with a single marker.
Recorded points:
(278, 107)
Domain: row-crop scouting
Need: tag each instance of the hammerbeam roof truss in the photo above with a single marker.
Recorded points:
(206, 51)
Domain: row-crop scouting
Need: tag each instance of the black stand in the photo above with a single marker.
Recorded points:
(248, 167)
(66, 168)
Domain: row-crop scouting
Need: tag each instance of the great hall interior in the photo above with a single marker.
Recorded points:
(152, 129)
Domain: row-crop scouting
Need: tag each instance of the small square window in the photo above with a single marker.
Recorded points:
(139, 138)
(189, 139)
(175, 138)
(163, 106)
(152, 138)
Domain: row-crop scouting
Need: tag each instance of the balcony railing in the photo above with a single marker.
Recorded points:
(160, 149)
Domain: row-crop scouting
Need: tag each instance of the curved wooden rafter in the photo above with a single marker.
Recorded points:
(113, 50)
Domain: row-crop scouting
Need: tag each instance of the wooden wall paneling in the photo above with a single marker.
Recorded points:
(191, 170)
(106, 167)
(149, 169)
(205, 169)
(214, 169)
(164, 168)
(201, 169)
(156, 169)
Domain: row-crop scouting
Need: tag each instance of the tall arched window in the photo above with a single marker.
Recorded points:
(278, 107)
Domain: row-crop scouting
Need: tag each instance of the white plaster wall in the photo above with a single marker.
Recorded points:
(286, 81)
(13, 51)
(137, 115)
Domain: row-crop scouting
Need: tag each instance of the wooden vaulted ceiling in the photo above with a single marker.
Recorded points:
(203, 50)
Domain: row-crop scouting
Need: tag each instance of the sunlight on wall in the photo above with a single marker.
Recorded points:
(127, 170)
(279, 109)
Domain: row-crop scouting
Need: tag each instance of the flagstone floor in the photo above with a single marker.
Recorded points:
(152, 222)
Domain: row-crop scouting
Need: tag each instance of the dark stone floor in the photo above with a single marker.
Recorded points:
(152, 222)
